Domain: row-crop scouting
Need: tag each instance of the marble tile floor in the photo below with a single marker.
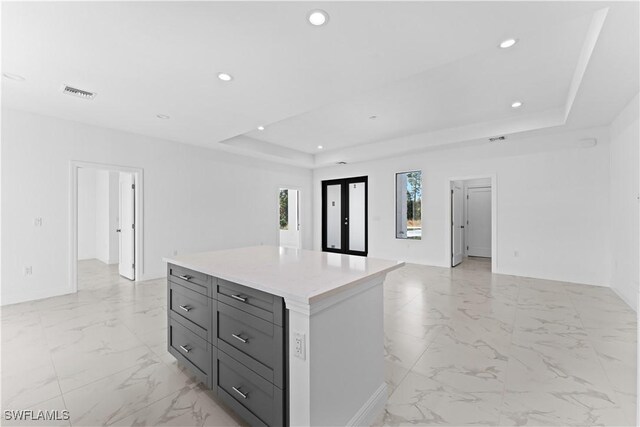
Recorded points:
(462, 346)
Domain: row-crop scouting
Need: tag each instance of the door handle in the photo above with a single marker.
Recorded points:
(239, 338)
(185, 348)
(185, 308)
(239, 298)
(237, 390)
(186, 277)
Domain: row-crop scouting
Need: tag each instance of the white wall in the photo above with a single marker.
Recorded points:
(87, 214)
(195, 198)
(625, 195)
(552, 199)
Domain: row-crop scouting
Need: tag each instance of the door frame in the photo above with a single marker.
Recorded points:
(344, 182)
(277, 219)
(138, 174)
(494, 218)
(452, 220)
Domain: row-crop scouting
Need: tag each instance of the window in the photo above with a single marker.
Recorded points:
(409, 205)
(284, 209)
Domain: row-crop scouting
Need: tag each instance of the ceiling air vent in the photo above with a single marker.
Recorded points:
(78, 92)
(498, 138)
(341, 163)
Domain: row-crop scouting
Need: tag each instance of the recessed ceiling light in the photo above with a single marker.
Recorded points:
(163, 116)
(13, 77)
(320, 147)
(318, 17)
(260, 127)
(225, 77)
(508, 43)
(516, 104)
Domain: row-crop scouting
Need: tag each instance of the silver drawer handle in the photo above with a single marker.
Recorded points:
(238, 337)
(239, 298)
(186, 277)
(185, 349)
(244, 395)
(185, 308)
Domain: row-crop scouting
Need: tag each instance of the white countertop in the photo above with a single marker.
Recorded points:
(294, 274)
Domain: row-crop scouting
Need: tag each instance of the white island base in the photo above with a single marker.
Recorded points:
(341, 380)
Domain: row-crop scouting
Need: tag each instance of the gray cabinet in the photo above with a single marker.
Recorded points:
(233, 339)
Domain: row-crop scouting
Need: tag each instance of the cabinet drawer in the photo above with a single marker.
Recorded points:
(193, 307)
(254, 342)
(192, 350)
(261, 304)
(194, 280)
(258, 401)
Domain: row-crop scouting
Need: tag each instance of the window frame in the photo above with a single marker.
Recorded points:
(396, 204)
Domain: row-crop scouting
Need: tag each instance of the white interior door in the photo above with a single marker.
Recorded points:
(479, 222)
(127, 226)
(290, 234)
(457, 224)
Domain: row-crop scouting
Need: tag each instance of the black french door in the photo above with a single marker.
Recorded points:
(345, 216)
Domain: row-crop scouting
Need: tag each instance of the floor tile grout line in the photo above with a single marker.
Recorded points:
(506, 374)
(416, 361)
(113, 373)
(598, 358)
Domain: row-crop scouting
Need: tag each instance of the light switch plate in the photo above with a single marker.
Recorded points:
(299, 345)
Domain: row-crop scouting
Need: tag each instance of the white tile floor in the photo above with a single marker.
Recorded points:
(463, 346)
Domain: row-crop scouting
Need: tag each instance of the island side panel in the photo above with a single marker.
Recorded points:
(341, 381)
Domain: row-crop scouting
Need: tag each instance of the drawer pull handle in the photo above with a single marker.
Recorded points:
(239, 298)
(239, 338)
(243, 395)
(185, 349)
(185, 308)
(186, 277)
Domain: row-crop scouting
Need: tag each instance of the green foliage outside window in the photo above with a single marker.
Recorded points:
(284, 209)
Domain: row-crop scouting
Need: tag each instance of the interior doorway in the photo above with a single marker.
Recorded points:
(105, 225)
(472, 219)
(289, 218)
(345, 216)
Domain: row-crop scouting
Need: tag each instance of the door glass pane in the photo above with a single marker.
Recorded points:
(356, 216)
(334, 216)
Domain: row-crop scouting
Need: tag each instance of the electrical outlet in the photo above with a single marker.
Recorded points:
(516, 254)
(28, 270)
(175, 252)
(299, 345)
(37, 222)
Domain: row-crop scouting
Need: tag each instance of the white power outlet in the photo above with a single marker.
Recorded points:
(28, 270)
(299, 345)
(37, 222)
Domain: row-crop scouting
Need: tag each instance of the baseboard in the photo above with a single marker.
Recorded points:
(151, 276)
(624, 298)
(372, 408)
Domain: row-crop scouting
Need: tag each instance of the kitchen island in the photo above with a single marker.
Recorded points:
(283, 336)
